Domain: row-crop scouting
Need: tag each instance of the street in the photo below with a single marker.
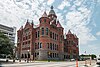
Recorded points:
(51, 64)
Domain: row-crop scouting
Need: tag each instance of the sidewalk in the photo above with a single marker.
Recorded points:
(88, 63)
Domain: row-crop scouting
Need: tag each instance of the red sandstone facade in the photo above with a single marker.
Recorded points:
(71, 46)
(46, 41)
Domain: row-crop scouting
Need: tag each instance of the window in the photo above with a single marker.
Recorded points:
(53, 35)
(53, 55)
(42, 31)
(57, 37)
(38, 33)
(48, 45)
(22, 56)
(61, 38)
(55, 47)
(35, 46)
(46, 31)
(50, 34)
(40, 45)
(51, 46)
(44, 20)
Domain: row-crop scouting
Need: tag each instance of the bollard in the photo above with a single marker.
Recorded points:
(90, 60)
(76, 63)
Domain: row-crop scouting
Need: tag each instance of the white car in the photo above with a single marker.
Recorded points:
(72, 59)
(98, 61)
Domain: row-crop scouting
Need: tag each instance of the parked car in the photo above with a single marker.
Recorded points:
(72, 59)
(98, 61)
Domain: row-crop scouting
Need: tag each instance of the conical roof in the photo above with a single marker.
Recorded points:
(44, 14)
(58, 24)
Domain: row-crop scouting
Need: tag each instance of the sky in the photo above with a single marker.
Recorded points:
(82, 17)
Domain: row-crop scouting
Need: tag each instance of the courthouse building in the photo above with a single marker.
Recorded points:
(46, 41)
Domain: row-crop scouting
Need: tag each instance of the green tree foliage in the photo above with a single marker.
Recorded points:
(92, 56)
(6, 47)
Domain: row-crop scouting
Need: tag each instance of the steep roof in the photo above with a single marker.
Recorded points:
(44, 14)
(58, 24)
(75, 36)
(69, 32)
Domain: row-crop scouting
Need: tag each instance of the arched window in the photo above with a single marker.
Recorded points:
(42, 31)
(46, 31)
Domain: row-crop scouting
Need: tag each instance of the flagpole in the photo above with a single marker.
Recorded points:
(85, 59)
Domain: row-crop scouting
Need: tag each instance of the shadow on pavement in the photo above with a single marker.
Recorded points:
(4, 62)
(86, 65)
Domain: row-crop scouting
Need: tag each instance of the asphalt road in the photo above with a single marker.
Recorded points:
(52, 64)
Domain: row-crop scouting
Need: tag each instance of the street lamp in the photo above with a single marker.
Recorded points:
(27, 56)
(19, 54)
(14, 54)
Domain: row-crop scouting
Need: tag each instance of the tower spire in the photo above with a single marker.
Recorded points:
(27, 20)
(44, 14)
(52, 11)
(32, 22)
(69, 32)
(52, 7)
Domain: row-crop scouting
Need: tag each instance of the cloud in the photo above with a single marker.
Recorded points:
(50, 2)
(76, 17)
(78, 2)
(63, 4)
(98, 33)
(77, 20)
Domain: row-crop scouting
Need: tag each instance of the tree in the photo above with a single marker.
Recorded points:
(93, 56)
(6, 47)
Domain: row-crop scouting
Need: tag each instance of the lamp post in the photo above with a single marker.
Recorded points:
(14, 55)
(70, 55)
(27, 56)
(19, 54)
